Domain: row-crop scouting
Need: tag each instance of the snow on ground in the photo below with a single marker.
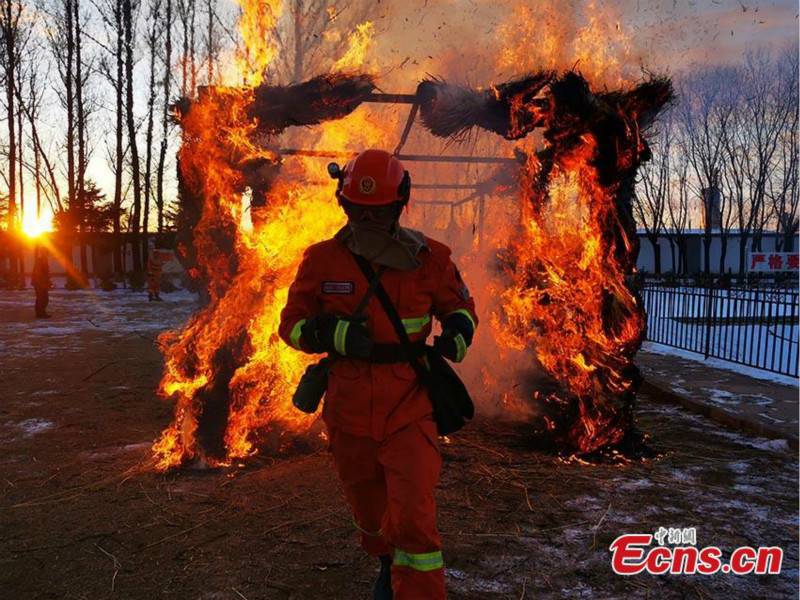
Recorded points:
(762, 326)
(516, 522)
(120, 313)
(12, 430)
(721, 364)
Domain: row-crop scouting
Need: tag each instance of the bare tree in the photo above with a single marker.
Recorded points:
(31, 106)
(136, 216)
(766, 116)
(11, 34)
(704, 115)
(20, 144)
(112, 68)
(81, 81)
(212, 40)
(652, 194)
(119, 153)
(153, 38)
(784, 187)
(312, 35)
(165, 121)
(678, 210)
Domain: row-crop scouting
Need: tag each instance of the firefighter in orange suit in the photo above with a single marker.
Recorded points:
(379, 418)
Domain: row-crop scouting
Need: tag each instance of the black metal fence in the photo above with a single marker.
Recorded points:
(756, 327)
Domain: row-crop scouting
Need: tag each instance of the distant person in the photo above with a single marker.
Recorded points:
(41, 282)
(154, 268)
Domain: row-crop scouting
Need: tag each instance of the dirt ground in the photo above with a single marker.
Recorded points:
(79, 518)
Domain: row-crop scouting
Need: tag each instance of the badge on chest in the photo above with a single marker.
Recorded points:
(341, 288)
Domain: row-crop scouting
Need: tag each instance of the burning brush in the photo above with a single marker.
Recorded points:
(229, 374)
(571, 296)
(569, 269)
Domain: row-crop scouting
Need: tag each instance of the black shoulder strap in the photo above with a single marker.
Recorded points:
(391, 312)
(374, 281)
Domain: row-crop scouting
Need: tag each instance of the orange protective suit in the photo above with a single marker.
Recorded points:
(379, 417)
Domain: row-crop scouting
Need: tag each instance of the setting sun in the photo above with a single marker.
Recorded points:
(34, 227)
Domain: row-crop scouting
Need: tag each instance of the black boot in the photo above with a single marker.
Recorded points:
(383, 585)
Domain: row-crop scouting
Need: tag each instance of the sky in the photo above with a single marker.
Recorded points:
(482, 41)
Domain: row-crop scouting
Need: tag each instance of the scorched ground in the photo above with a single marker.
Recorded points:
(80, 518)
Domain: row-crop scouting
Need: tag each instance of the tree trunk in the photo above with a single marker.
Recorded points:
(70, 99)
(184, 15)
(298, 41)
(723, 251)
(743, 253)
(10, 40)
(119, 246)
(673, 266)
(656, 254)
(192, 52)
(210, 46)
(162, 155)
(20, 157)
(37, 164)
(81, 123)
(127, 15)
(148, 167)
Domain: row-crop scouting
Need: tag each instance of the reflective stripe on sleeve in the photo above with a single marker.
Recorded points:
(429, 561)
(466, 313)
(294, 336)
(416, 324)
(461, 347)
(340, 335)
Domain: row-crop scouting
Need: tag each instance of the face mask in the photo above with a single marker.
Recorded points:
(376, 235)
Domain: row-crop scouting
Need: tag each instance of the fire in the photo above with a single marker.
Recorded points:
(564, 278)
(358, 47)
(549, 35)
(566, 294)
(257, 20)
(228, 372)
(571, 299)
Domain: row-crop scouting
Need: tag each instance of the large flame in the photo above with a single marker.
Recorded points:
(227, 363)
(569, 300)
(565, 292)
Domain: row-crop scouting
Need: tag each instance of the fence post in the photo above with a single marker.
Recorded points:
(709, 314)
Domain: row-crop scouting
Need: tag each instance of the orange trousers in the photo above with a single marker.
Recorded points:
(390, 488)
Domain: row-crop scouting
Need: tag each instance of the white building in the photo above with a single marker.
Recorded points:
(695, 253)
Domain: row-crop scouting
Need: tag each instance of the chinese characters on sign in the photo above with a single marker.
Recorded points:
(772, 262)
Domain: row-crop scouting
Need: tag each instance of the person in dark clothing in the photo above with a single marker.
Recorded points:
(41, 282)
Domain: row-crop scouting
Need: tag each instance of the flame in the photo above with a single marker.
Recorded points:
(547, 35)
(565, 295)
(256, 23)
(229, 351)
(359, 44)
(569, 300)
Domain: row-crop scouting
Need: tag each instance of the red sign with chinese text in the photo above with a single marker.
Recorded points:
(772, 262)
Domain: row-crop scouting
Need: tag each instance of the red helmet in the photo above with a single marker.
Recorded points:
(374, 178)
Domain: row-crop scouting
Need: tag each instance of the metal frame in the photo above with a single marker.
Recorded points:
(755, 327)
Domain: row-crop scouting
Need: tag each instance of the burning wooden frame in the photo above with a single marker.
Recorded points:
(569, 294)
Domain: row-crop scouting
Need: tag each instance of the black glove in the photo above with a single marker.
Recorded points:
(451, 344)
(456, 337)
(329, 333)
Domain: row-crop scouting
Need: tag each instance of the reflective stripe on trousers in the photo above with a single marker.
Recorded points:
(426, 561)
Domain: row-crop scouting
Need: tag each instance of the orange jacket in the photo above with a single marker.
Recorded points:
(374, 399)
